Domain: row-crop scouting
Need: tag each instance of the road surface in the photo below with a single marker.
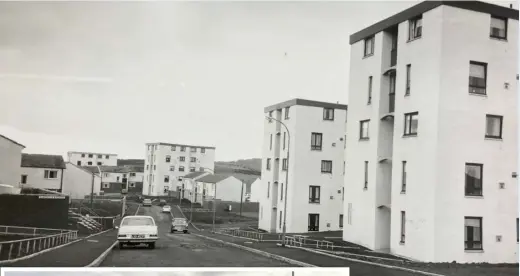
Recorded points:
(184, 250)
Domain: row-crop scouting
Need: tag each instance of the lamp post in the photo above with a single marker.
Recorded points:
(286, 178)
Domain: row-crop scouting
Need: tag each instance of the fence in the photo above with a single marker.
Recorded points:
(10, 250)
(30, 231)
(303, 241)
(236, 232)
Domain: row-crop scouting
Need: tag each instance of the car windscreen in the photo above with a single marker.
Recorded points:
(137, 222)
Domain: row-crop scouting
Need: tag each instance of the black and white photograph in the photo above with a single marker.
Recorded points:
(376, 137)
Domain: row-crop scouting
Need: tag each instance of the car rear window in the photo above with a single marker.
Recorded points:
(137, 222)
(179, 221)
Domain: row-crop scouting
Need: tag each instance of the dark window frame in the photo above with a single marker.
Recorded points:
(313, 228)
(268, 164)
(505, 28)
(370, 51)
(408, 118)
(182, 158)
(517, 231)
(281, 191)
(324, 165)
(361, 123)
(166, 179)
(370, 80)
(341, 220)
(365, 186)
(403, 177)
(477, 86)
(286, 117)
(408, 79)
(193, 159)
(168, 158)
(284, 138)
(412, 28)
(314, 140)
(470, 245)
(403, 227)
(23, 179)
(326, 114)
(181, 168)
(314, 194)
(284, 164)
(271, 142)
(501, 122)
(469, 190)
(281, 215)
(268, 188)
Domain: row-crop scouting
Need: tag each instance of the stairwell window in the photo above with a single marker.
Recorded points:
(403, 183)
(408, 79)
(341, 221)
(268, 164)
(403, 227)
(415, 28)
(287, 113)
(326, 166)
(268, 188)
(498, 28)
(284, 164)
(328, 114)
(473, 233)
(183, 148)
(494, 126)
(473, 185)
(316, 141)
(284, 138)
(172, 168)
(411, 123)
(517, 230)
(168, 158)
(271, 142)
(314, 194)
(366, 176)
(50, 174)
(281, 191)
(202, 150)
(477, 77)
(369, 90)
(363, 130)
(280, 225)
(369, 46)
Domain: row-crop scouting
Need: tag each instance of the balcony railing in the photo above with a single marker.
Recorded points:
(391, 102)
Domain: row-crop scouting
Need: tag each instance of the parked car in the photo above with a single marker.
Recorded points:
(162, 202)
(135, 230)
(179, 224)
(166, 209)
(147, 202)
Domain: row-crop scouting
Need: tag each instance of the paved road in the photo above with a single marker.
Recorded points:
(184, 250)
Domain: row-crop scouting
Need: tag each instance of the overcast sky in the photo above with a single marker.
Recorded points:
(109, 77)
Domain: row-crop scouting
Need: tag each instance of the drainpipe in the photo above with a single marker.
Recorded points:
(61, 182)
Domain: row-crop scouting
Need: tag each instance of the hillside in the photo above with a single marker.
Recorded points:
(254, 164)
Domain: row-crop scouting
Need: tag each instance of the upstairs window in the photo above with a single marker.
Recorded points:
(49, 174)
(172, 168)
(477, 77)
(314, 194)
(192, 169)
(494, 126)
(181, 168)
(173, 148)
(268, 164)
(284, 164)
(202, 150)
(415, 28)
(328, 114)
(403, 178)
(316, 141)
(193, 159)
(271, 142)
(286, 113)
(166, 178)
(82, 155)
(168, 158)
(498, 28)
(90, 156)
(369, 90)
(473, 185)
(106, 156)
(326, 166)
(411, 123)
(183, 148)
(363, 129)
(100, 156)
(369, 46)
(193, 149)
(182, 158)
(365, 186)
(408, 79)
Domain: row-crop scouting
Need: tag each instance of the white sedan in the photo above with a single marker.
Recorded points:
(137, 230)
(166, 209)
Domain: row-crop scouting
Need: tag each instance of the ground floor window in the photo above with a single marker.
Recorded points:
(473, 233)
(341, 221)
(314, 222)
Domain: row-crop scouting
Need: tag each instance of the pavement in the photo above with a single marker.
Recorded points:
(184, 250)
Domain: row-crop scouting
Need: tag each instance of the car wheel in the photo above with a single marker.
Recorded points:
(151, 245)
(121, 246)
(171, 231)
(185, 231)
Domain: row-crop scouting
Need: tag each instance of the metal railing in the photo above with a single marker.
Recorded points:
(241, 233)
(30, 231)
(303, 241)
(10, 250)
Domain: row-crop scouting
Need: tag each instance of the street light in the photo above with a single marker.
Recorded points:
(286, 177)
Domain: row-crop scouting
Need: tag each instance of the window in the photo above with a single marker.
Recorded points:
(369, 90)
(314, 194)
(106, 185)
(100, 156)
(415, 28)
(193, 149)
(182, 158)
(50, 174)
(411, 123)
(366, 175)
(284, 164)
(268, 164)
(78, 163)
(314, 222)
(24, 179)
(268, 188)
(270, 115)
(173, 148)
(343, 193)
(280, 219)
(172, 168)
(154, 167)
(326, 166)
(477, 77)
(89, 163)
(286, 113)
(283, 147)
(131, 185)
(147, 166)
(82, 155)
(369, 46)
(202, 150)
(344, 167)
(363, 129)
(183, 148)
(403, 225)
(494, 126)
(328, 114)
(271, 142)
(193, 159)
(132, 174)
(181, 168)
(349, 215)
(192, 169)
(99, 163)
(107, 174)
(117, 178)
(155, 147)
(316, 140)
(90, 156)
(473, 233)
(281, 191)
(106, 156)
(168, 158)
(517, 230)
(498, 28)
(473, 185)
(341, 221)
(408, 79)
(403, 180)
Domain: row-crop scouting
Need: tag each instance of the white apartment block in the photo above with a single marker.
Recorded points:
(316, 167)
(431, 153)
(10, 160)
(92, 158)
(165, 163)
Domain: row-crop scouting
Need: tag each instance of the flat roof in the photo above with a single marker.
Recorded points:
(95, 153)
(477, 6)
(179, 145)
(304, 102)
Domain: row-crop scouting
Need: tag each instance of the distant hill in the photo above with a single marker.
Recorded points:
(254, 164)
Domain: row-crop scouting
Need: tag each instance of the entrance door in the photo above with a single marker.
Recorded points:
(314, 222)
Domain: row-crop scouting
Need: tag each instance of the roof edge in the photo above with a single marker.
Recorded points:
(12, 141)
(179, 145)
(304, 102)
